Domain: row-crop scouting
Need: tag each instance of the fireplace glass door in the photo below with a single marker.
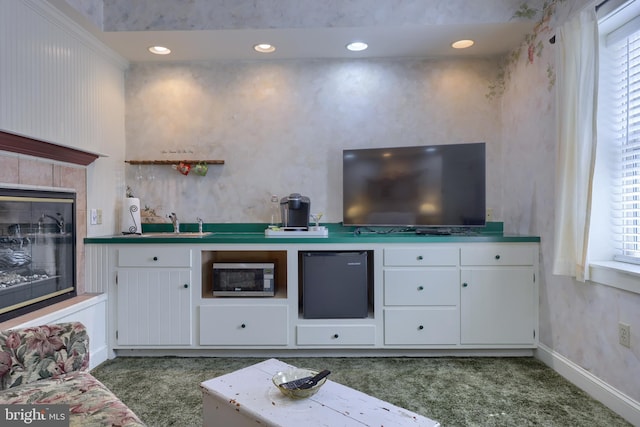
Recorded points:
(37, 249)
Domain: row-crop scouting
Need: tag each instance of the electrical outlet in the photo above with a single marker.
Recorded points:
(93, 217)
(489, 214)
(624, 334)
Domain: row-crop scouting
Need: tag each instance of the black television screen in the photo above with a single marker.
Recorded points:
(424, 186)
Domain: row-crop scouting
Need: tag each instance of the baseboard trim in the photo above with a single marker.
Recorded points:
(98, 356)
(614, 399)
(313, 352)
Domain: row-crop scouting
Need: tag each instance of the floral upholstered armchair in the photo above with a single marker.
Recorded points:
(49, 351)
(49, 365)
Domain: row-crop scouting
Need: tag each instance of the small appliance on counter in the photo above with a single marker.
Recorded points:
(295, 210)
(240, 279)
(319, 231)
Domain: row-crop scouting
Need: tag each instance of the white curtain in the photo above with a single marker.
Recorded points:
(576, 100)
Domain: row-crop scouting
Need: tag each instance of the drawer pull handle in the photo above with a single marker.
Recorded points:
(186, 285)
(243, 326)
(335, 336)
(421, 288)
(465, 284)
(420, 327)
(419, 257)
(497, 256)
(155, 258)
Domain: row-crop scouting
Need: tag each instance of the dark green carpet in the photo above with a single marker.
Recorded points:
(452, 391)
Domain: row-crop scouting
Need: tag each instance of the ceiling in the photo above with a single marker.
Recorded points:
(432, 41)
(396, 37)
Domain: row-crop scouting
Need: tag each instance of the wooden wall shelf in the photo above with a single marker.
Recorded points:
(173, 162)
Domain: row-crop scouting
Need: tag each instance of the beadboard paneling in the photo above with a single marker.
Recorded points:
(54, 78)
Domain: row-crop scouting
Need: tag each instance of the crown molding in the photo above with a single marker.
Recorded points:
(46, 150)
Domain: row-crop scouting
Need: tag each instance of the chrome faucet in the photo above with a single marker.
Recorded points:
(199, 224)
(175, 222)
(59, 219)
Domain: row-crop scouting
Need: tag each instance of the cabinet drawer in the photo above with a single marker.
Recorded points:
(421, 256)
(244, 325)
(499, 254)
(154, 256)
(422, 326)
(336, 335)
(412, 286)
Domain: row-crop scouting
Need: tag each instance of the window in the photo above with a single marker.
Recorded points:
(626, 118)
(614, 235)
(619, 136)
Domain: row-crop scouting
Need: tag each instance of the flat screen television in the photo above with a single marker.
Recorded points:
(434, 186)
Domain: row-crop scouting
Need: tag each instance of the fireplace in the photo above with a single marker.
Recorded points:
(37, 249)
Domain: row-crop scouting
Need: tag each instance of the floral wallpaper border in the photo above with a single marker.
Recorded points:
(534, 43)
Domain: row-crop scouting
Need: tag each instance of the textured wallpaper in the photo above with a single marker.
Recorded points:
(577, 320)
(281, 127)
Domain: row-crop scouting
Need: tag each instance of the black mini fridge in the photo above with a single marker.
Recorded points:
(334, 285)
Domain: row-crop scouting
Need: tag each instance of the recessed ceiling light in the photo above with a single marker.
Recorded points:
(264, 48)
(462, 44)
(160, 50)
(357, 46)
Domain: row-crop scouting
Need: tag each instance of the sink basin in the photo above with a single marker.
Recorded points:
(175, 235)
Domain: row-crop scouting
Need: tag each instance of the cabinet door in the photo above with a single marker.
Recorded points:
(154, 307)
(498, 306)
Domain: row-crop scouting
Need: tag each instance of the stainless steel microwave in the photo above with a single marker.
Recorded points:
(246, 279)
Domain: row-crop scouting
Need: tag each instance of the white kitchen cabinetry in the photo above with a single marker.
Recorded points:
(499, 295)
(421, 296)
(244, 325)
(424, 296)
(153, 296)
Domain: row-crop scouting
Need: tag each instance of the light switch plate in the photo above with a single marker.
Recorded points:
(93, 217)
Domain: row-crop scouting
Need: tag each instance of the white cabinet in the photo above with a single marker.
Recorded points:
(425, 296)
(153, 297)
(421, 296)
(479, 295)
(244, 325)
(499, 296)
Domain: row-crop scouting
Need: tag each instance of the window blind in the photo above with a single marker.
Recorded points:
(624, 68)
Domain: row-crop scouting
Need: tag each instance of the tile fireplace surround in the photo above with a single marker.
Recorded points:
(37, 168)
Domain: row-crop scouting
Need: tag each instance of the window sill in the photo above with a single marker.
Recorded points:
(616, 274)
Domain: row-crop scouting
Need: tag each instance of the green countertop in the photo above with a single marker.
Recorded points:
(254, 234)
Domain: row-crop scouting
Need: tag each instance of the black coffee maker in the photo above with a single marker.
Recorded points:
(295, 211)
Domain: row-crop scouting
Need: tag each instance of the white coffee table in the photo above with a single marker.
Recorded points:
(247, 397)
